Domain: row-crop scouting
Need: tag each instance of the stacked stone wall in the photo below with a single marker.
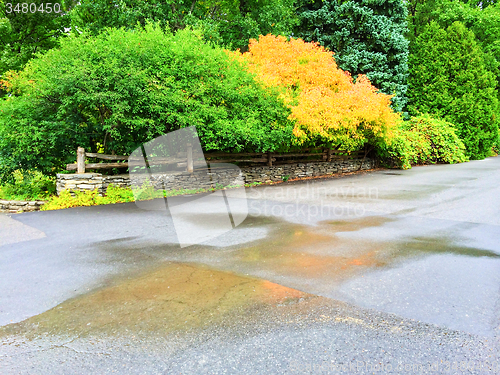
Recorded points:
(219, 176)
(80, 182)
(20, 206)
(302, 170)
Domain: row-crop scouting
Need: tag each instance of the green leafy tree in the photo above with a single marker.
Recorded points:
(117, 90)
(23, 34)
(231, 23)
(483, 20)
(449, 79)
(472, 14)
(366, 36)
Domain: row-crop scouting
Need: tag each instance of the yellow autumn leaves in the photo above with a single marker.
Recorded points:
(324, 100)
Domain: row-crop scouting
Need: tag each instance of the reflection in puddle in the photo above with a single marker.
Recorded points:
(434, 279)
(358, 224)
(316, 259)
(305, 252)
(443, 245)
(175, 296)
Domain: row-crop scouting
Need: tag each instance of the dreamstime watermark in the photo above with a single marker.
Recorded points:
(398, 367)
(175, 161)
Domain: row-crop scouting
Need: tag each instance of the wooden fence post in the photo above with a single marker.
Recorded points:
(269, 159)
(189, 158)
(80, 160)
(329, 155)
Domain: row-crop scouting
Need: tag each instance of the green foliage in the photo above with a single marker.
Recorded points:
(120, 89)
(449, 80)
(495, 151)
(22, 35)
(114, 194)
(28, 185)
(483, 20)
(366, 36)
(147, 191)
(486, 27)
(425, 140)
(231, 23)
(238, 22)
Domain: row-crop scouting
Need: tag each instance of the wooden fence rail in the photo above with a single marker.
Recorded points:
(190, 160)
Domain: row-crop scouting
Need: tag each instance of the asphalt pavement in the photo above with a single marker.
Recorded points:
(386, 271)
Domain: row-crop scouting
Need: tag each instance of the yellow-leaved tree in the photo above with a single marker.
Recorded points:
(327, 106)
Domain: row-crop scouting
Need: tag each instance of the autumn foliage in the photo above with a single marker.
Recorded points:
(327, 106)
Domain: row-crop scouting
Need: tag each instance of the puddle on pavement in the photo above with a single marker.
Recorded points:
(180, 296)
(357, 224)
(313, 252)
(174, 297)
(297, 251)
(415, 192)
(419, 246)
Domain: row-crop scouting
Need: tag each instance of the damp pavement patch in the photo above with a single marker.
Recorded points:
(13, 231)
(367, 270)
(172, 297)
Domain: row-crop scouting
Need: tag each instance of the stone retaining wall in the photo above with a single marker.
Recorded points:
(301, 170)
(79, 182)
(20, 206)
(220, 176)
(230, 175)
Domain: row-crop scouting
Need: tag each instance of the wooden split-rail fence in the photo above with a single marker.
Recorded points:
(190, 160)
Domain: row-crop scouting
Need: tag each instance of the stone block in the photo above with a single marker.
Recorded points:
(86, 186)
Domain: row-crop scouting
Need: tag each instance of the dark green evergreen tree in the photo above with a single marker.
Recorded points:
(482, 18)
(367, 37)
(449, 79)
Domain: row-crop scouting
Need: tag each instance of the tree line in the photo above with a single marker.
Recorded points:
(422, 77)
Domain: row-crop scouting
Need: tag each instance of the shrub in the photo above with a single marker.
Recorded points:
(495, 150)
(114, 194)
(425, 140)
(117, 90)
(449, 79)
(28, 185)
(327, 106)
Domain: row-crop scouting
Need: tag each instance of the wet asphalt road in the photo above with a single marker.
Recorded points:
(386, 272)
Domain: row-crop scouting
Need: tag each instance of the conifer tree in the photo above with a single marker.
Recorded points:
(449, 79)
(366, 36)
